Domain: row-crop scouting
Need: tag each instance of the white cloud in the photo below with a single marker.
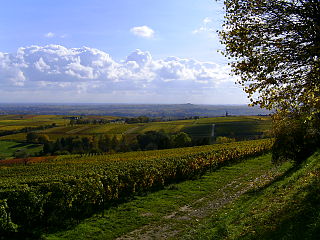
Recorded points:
(207, 20)
(142, 31)
(41, 65)
(76, 71)
(205, 27)
(49, 35)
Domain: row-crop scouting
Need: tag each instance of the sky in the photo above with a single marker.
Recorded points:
(124, 51)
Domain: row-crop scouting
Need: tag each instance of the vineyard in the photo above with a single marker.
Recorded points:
(39, 195)
(241, 128)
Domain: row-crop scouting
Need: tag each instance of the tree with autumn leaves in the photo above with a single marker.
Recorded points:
(274, 46)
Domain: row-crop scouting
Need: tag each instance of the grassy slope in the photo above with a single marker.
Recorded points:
(248, 200)
(165, 211)
(287, 209)
(8, 148)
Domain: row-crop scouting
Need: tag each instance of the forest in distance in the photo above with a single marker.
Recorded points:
(168, 111)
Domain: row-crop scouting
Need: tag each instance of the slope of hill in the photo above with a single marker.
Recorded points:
(249, 200)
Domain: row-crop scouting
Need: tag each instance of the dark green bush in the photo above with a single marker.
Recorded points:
(296, 138)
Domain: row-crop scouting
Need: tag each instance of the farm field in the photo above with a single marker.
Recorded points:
(31, 120)
(240, 128)
(80, 185)
(19, 137)
(8, 148)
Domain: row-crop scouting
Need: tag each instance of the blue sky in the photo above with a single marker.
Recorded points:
(113, 51)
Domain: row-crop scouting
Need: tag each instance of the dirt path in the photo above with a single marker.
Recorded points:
(171, 225)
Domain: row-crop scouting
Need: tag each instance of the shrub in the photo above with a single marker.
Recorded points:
(295, 138)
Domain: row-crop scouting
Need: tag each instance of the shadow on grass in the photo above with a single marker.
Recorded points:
(299, 219)
(32, 146)
(277, 179)
(19, 145)
(25, 145)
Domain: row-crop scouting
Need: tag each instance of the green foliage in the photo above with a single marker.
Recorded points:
(140, 119)
(295, 139)
(43, 139)
(153, 140)
(275, 46)
(181, 140)
(32, 137)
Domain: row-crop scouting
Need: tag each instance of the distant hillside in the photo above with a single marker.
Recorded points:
(133, 110)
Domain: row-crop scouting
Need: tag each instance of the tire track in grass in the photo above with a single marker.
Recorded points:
(173, 224)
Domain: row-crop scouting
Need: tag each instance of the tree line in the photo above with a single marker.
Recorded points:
(151, 140)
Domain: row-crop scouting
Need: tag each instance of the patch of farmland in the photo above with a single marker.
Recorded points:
(166, 127)
(244, 129)
(232, 119)
(10, 128)
(15, 137)
(25, 123)
(79, 129)
(8, 148)
(198, 130)
(109, 129)
(59, 130)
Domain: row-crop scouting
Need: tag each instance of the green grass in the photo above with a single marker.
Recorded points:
(7, 148)
(154, 210)
(288, 208)
(257, 201)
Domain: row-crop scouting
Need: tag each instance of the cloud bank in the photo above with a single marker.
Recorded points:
(92, 73)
